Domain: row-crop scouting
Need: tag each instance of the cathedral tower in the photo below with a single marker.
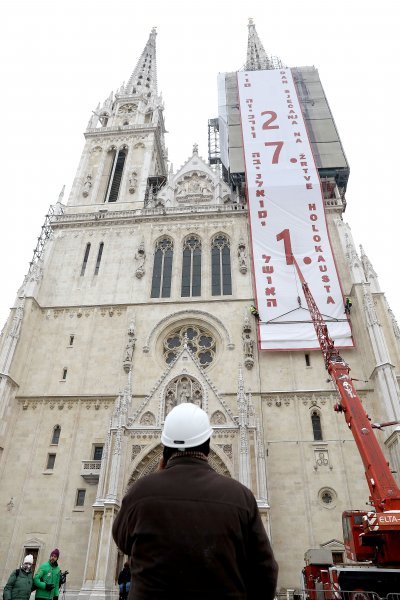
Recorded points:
(137, 299)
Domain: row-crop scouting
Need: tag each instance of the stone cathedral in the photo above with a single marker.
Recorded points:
(137, 299)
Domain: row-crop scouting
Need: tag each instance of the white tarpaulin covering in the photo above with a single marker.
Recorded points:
(287, 216)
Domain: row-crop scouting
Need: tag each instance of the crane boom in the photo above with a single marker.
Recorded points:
(384, 492)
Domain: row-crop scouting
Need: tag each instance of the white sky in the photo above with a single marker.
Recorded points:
(59, 58)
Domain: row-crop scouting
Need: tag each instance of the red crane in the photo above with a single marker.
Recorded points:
(373, 536)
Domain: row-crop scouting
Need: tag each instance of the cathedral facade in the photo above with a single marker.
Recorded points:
(137, 299)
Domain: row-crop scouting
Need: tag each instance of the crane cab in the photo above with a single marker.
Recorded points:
(355, 540)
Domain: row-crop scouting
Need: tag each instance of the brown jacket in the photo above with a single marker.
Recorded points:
(196, 535)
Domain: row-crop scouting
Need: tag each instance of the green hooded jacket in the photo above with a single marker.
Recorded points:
(18, 587)
(47, 573)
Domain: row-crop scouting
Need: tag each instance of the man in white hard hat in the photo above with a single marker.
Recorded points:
(191, 533)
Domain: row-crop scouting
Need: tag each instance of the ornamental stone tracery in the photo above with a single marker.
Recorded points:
(198, 339)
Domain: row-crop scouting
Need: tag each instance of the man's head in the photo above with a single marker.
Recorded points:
(27, 563)
(186, 427)
(54, 554)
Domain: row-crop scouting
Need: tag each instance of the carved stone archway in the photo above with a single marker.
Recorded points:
(149, 464)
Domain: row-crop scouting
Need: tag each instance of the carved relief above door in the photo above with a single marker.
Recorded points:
(182, 389)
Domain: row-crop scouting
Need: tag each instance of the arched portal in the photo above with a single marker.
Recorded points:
(149, 464)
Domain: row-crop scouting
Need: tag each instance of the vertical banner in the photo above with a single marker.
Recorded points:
(287, 216)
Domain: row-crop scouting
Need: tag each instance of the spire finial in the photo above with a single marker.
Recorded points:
(195, 148)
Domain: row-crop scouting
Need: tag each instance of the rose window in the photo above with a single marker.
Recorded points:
(200, 342)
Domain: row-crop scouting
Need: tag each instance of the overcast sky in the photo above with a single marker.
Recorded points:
(60, 58)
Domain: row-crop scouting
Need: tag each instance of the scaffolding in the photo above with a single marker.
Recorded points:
(154, 185)
(214, 154)
(45, 233)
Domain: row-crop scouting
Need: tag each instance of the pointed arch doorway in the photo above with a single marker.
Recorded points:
(149, 464)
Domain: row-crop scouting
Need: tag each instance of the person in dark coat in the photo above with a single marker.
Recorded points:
(47, 578)
(19, 584)
(124, 582)
(190, 532)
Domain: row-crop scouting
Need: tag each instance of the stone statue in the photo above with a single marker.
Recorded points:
(184, 395)
(129, 348)
(132, 182)
(248, 345)
(87, 185)
(242, 258)
(170, 402)
(140, 257)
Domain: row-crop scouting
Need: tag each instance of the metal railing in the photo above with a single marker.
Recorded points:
(335, 594)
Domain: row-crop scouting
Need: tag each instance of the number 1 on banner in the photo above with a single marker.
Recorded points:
(287, 243)
(275, 156)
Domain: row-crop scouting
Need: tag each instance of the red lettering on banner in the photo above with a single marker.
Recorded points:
(269, 291)
(317, 238)
(281, 162)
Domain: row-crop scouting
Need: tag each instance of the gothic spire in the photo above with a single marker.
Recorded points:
(257, 58)
(143, 80)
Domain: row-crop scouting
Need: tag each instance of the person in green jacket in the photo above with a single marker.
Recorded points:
(19, 584)
(47, 578)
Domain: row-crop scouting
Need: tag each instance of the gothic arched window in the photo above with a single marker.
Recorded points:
(85, 259)
(114, 181)
(55, 438)
(316, 425)
(99, 253)
(191, 267)
(221, 280)
(162, 269)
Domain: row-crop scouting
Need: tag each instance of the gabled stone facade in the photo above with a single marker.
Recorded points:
(138, 299)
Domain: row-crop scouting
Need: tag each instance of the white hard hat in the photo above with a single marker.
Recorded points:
(186, 426)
